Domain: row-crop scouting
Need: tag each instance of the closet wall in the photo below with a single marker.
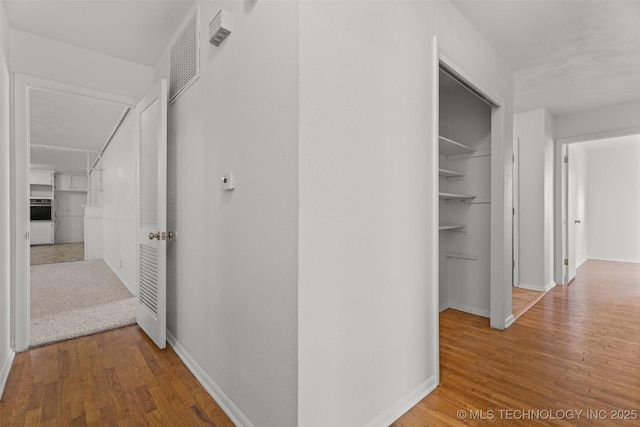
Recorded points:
(465, 199)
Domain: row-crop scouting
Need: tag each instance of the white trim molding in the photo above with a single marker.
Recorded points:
(509, 321)
(225, 403)
(403, 405)
(4, 372)
(545, 288)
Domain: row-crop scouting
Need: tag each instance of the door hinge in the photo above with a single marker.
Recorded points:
(566, 261)
(566, 159)
(513, 211)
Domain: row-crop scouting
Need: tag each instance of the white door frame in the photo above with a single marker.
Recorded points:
(19, 201)
(501, 268)
(561, 201)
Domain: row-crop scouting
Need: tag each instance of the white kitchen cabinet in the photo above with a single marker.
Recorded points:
(41, 232)
(68, 182)
(41, 177)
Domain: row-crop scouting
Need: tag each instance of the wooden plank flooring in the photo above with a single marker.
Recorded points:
(115, 378)
(576, 349)
(523, 299)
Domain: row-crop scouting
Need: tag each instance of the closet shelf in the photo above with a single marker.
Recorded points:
(455, 196)
(449, 174)
(451, 227)
(449, 146)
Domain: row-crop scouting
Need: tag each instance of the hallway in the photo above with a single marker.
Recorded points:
(577, 349)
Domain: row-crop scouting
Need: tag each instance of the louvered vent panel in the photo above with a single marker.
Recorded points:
(148, 293)
(185, 59)
(148, 127)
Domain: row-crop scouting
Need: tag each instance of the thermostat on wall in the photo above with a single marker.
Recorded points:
(220, 27)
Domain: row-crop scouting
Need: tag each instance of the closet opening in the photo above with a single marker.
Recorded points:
(465, 194)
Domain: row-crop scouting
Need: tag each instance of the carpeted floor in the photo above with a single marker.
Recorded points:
(60, 252)
(74, 299)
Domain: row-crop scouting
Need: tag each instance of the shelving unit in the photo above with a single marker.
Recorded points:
(451, 227)
(449, 196)
(449, 146)
(449, 174)
(464, 173)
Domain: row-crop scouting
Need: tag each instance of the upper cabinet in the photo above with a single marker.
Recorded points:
(67, 182)
(41, 177)
(41, 184)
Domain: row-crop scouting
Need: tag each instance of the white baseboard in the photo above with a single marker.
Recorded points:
(403, 405)
(4, 371)
(443, 307)
(226, 404)
(469, 309)
(509, 321)
(531, 287)
(549, 286)
(134, 292)
(632, 261)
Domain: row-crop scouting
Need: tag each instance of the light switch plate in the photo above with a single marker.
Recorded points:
(228, 182)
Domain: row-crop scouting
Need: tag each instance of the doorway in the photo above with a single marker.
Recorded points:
(599, 201)
(475, 234)
(54, 124)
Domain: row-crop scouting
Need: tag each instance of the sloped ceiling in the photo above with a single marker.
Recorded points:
(133, 30)
(60, 123)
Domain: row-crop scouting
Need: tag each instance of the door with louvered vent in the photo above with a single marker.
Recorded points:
(151, 213)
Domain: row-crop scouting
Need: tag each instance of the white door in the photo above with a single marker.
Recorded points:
(151, 213)
(572, 216)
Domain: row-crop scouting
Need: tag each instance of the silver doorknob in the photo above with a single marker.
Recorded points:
(153, 235)
(577, 221)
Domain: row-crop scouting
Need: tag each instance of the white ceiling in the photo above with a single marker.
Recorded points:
(134, 30)
(66, 121)
(568, 55)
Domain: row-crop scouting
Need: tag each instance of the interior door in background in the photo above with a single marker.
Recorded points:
(151, 213)
(572, 214)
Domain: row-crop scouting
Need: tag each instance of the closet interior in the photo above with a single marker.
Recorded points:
(465, 197)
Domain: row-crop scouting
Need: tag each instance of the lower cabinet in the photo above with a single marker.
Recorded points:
(41, 233)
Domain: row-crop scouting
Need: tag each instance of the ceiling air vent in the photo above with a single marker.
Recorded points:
(185, 59)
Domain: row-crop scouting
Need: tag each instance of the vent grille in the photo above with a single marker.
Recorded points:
(185, 59)
(148, 293)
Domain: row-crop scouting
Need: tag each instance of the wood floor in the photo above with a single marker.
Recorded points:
(523, 299)
(578, 349)
(116, 378)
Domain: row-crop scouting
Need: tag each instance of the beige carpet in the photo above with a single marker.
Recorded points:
(60, 252)
(74, 299)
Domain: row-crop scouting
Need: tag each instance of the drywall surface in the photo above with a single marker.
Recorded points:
(6, 354)
(534, 129)
(233, 267)
(368, 304)
(608, 119)
(613, 203)
(118, 195)
(50, 59)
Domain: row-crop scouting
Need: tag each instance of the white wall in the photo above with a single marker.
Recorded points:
(368, 206)
(42, 57)
(233, 268)
(613, 203)
(6, 354)
(70, 216)
(612, 118)
(118, 195)
(534, 129)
